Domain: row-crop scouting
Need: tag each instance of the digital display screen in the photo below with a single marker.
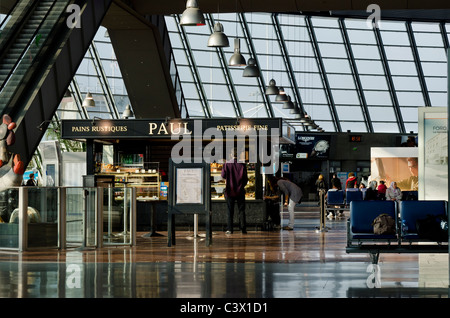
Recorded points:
(355, 138)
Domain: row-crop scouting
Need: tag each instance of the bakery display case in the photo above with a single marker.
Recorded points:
(146, 184)
(145, 180)
(218, 183)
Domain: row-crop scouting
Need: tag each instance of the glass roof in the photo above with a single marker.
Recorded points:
(98, 74)
(345, 75)
(342, 73)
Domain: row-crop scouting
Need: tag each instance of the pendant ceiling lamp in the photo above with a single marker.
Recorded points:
(237, 59)
(281, 97)
(251, 70)
(272, 89)
(192, 16)
(288, 104)
(89, 101)
(295, 110)
(218, 38)
(308, 123)
(127, 112)
(305, 118)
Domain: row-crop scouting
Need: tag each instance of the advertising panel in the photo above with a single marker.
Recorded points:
(312, 146)
(399, 164)
(433, 143)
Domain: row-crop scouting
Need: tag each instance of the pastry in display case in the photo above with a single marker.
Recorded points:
(145, 180)
(218, 183)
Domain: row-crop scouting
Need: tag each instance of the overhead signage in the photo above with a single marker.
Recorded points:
(161, 128)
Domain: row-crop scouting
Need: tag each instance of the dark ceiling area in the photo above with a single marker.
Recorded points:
(214, 6)
(432, 10)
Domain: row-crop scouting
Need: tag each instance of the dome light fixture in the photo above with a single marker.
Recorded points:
(288, 104)
(127, 112)
(237, 59)
(295, 110)
(272, 89)
(192, 16)
(251, 70)
(89, 101)
(281, 97)
(218, 38)
(305, 118)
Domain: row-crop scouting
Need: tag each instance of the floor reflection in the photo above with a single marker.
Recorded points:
(299, 264)
(206, 280)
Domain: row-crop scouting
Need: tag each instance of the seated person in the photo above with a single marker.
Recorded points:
(393, 193)
(351, 182)
(371, 192)
(382, 190)
(332, 214)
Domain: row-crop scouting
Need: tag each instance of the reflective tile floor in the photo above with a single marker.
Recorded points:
(303, 263)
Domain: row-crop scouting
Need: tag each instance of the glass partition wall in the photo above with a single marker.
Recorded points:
(72, 217)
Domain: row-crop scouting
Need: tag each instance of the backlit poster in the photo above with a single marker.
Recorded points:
(433, 143)
(395, 164)
(312, 146)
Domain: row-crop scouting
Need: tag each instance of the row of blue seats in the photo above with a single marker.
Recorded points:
(405, 213)
(341, 198)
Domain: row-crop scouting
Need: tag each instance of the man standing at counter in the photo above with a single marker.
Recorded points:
(235, 174)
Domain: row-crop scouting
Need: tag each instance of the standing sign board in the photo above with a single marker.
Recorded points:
(189, 193)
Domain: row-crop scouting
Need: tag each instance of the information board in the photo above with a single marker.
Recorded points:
(189, 193)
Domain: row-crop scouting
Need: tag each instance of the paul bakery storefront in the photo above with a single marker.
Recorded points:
(135, 153)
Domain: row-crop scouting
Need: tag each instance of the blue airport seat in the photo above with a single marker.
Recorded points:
(362, 214)
(335, 197)
(353, 195)
(411, 211)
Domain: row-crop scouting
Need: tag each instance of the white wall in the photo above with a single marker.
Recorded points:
(73, 168)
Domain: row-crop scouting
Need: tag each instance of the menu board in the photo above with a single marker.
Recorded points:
(189, 185)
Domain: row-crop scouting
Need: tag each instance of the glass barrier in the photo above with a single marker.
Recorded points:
(92, 217)
(117, 215)
(74, 216)
(9, 226)
(80, 226)
(42, 217)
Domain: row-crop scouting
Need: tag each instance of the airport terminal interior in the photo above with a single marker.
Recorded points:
(97, 97)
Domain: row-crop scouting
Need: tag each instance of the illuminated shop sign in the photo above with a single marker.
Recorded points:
(106, 128)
